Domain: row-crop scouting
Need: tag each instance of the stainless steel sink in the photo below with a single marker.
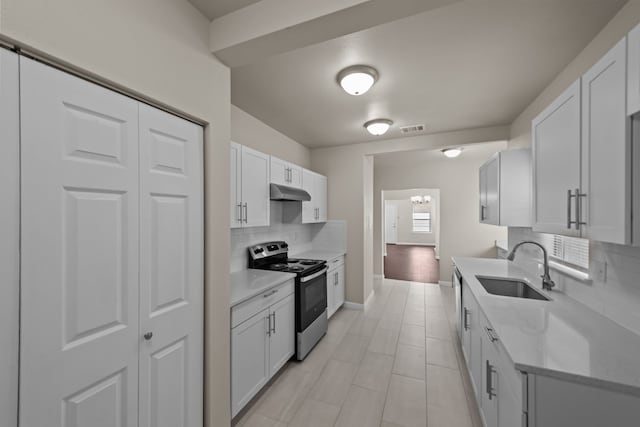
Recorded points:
(510, 288)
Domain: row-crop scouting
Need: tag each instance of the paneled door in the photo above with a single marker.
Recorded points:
(171, 271)
(9, 230)
(79, 266)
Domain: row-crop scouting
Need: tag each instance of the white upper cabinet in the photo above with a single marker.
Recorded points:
(250, 194)
(555, 136)
(285, 173)
(316, 209)
(582, 156)
(605, 200)
(633, 71)
(505, 189)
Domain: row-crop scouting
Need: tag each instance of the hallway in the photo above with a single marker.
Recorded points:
(411, 263)
(396, 364)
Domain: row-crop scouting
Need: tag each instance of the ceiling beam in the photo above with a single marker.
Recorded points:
(270, 27)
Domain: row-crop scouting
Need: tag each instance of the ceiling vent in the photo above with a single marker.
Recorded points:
(412, 129)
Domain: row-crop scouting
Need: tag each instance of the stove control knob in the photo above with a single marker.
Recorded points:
(258, 251)
(284, 246)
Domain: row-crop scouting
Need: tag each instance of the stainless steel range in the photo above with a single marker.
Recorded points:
(310, 290)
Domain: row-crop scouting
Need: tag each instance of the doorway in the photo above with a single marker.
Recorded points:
(411, 220)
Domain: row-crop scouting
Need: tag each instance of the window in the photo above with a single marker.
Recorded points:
(568, 250)
(421, 219)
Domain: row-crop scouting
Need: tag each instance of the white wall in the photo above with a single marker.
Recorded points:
(615, 289)
(401, 199)
(249, 131)
(159, 49)
(461, 233)
(344, 167)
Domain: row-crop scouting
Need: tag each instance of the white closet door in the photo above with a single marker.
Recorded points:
(171, 270)
(79, 307)
(9, 230)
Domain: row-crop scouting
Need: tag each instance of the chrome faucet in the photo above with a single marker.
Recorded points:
(547, 283)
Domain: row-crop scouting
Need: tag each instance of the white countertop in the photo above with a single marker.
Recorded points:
(323, 255)
(560, 338)
(248, 283)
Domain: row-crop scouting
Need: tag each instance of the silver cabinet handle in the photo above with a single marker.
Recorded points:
(482, 215)
(246, 213)
(239, 212)
(290, 175)
(268, 294)
(579, 197)
(335, 279)
(273, 330)
(569, 196)
(489, 380)
(466, 319)
(269, 327)
(491, 335)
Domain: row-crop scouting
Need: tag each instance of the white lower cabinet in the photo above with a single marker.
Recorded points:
(262, 341)
(335, 285)
(507, 397)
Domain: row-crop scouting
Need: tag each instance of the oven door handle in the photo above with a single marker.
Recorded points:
(314, 275)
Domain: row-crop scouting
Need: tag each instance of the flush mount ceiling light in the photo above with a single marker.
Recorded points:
(378, 127)
(357, 79)
(452, 152)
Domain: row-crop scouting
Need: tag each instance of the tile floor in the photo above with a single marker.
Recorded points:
(397, 364)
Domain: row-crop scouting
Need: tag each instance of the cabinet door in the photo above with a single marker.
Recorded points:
(338, 295)
(10, 232)
(249, 359)
(331, 288)
(321, 193)
(279, 171)
(235, 192)
(606, 159)
(633, 71)
(489, 390)
(492, 211)
(482, 178)
(556, 163)
(309, 185)
(171, 270)
(283, 331)
(255, 188)
(79, 244)
(471, 344)
(510, 399)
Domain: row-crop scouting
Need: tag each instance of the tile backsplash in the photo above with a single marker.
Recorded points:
(614, 288)
(286, 225)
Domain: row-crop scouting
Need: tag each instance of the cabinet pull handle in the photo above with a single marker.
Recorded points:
(269, 327)
(274, 323)
(579, 221)
(492, 337)
(489, 372)
(482, 215)
(239, 213)
(246, 213)
(569, 196)
(270, 293)
(466, 319)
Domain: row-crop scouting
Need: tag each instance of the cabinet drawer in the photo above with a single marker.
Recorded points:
(335, 263)
(245, 310)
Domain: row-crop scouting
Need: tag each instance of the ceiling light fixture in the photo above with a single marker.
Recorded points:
(452, 152)
(378, 127)
(357, 79)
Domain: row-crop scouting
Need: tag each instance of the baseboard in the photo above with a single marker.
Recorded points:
(378, 276)
(367, 302)
(353, 305)
(445, 283)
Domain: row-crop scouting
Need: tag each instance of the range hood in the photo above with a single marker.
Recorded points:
(284, 193)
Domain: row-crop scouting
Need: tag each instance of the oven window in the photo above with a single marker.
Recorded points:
(314, 293)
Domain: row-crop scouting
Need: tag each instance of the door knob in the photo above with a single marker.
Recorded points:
(148, 336)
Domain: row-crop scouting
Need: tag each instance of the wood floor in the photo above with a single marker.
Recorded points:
(398, 363)
(411, 263)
